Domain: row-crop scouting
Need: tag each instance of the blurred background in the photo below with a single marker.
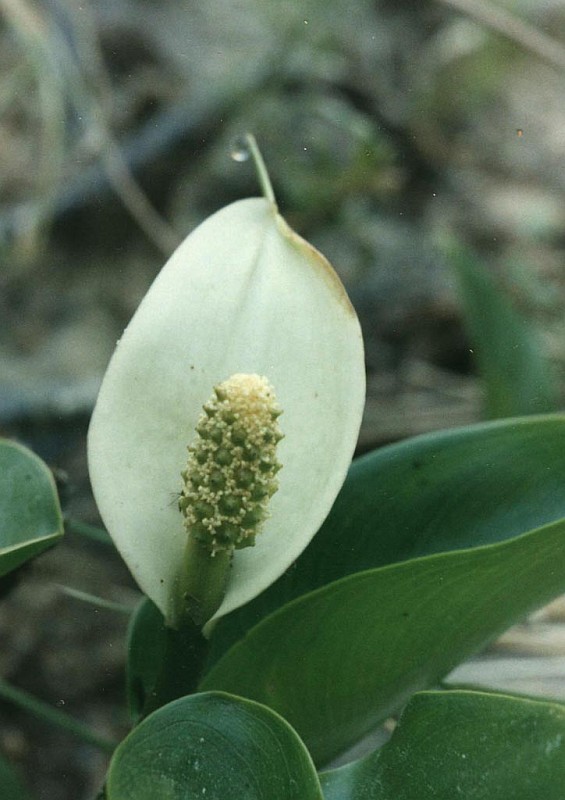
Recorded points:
(419, 144)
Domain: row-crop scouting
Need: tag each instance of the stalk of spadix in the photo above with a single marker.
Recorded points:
(228, 482)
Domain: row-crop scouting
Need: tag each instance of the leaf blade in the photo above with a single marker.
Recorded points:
(30, 515)
(11, 785)
(216, 746)
(516, 372)
(339, 660)
(490, 747)
(439, 492)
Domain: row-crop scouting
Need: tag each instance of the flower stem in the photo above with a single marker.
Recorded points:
(261, 169)
(180, 666)
(53, 716)
(202, 584)
(91, 532)
(99, 602)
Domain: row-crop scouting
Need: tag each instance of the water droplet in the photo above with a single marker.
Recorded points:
(240, 150)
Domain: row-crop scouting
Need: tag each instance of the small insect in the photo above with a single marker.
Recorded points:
(174, 498)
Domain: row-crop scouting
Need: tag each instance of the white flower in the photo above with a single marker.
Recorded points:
(242, 294)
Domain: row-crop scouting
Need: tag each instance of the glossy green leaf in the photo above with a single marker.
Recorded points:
(462, 744)
(162, 663)
(440, 492)
(11, 786)
(508, 351)
(338, 661)
(146, 647)
(30, 516)
(212, 746)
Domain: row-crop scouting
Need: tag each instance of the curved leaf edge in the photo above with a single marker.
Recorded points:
(475, 427)
(288, 588)
(40, 541)
(359, 779)
(294, 605)
(24, 551)
(268, 714)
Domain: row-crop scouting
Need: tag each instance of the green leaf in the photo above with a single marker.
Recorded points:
(145, 655)
(11, 786)
(440, 492)
(162, 663)
(339, 660)
(212, 746)
(30, 516)
(462, 744)
(509, 354)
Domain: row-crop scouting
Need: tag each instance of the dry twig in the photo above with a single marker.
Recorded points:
(59, 72)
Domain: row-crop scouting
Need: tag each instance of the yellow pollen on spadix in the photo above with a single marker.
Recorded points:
(231, 470)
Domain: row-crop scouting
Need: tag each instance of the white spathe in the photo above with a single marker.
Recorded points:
(242, 294)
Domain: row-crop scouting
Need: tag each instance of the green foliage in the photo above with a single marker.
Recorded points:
(213, 746)
(163, 663)
(516, 374)
(451, 537)
(30, 516)
(435, 493)
(433, 548)
(11, 786)
(341, 659)
(462, 744)
(147, 641)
